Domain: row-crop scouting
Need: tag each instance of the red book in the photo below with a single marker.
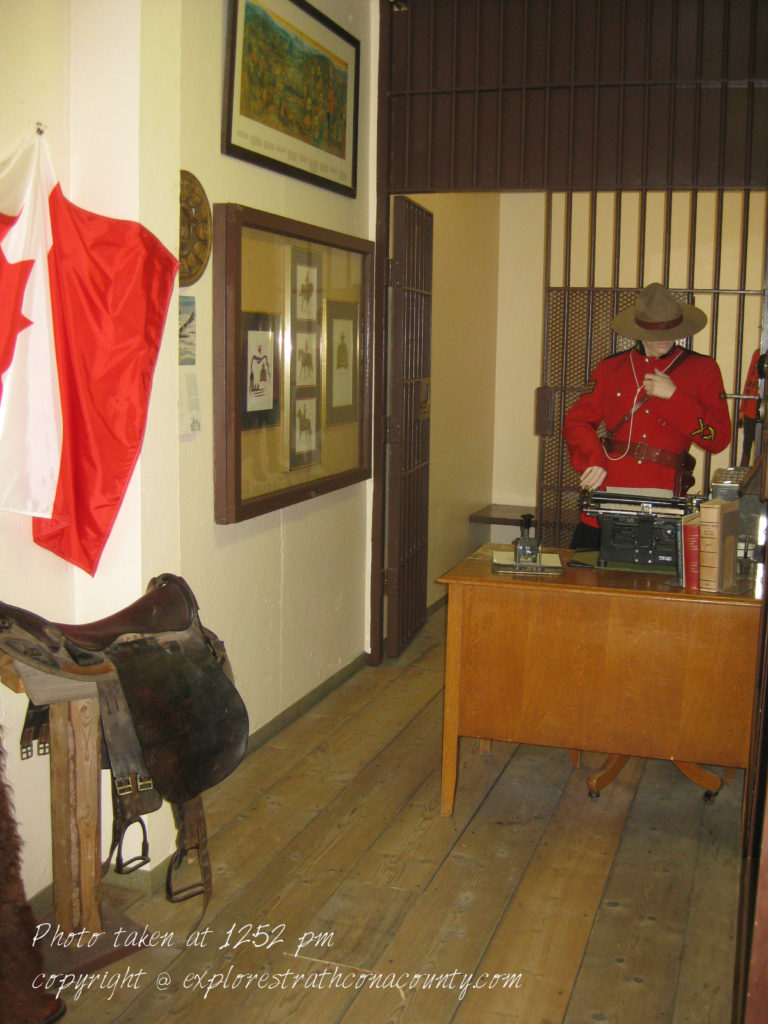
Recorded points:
(691, 546)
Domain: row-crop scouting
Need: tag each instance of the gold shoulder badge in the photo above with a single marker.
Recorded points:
(704, 430)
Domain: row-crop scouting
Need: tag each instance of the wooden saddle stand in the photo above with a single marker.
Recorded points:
(172, 721)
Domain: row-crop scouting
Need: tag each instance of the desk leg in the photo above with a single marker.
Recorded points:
(606, 774)
(75, 814)
(700, 775)
(451, 701)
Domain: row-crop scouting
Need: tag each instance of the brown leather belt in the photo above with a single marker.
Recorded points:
(644, 452)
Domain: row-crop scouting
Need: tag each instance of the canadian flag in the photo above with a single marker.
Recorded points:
(83, 304)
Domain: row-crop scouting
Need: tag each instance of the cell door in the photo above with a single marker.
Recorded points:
(408, 420)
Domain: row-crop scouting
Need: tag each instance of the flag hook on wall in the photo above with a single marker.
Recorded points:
(83, 304)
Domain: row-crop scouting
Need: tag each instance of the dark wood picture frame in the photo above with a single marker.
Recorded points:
(291, 92)
(303, 474)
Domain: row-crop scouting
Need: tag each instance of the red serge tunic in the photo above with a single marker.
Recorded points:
(695, 414)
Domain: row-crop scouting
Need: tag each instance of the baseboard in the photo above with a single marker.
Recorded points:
(279, 722)
(144, 882)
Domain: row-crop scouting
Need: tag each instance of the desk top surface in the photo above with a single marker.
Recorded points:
(476, 569)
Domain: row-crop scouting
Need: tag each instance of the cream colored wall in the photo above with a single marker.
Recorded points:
(466, 253)
(518, 364)
(288, 591)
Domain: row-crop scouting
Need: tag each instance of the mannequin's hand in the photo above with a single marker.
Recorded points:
(658, 385)
(592, 477)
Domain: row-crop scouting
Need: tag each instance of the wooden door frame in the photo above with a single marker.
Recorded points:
(380, 343)
(380, 332)
(409, 348)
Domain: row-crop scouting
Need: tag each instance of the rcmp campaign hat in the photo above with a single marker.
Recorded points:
(657, 315)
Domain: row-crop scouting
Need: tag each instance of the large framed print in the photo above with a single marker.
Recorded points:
(291, 361)
(291, 92)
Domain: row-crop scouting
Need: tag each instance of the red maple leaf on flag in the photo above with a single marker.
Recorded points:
(13, 281)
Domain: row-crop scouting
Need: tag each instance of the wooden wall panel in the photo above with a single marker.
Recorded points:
(543, 94)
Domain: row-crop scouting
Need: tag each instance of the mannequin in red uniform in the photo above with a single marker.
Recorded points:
(656, 400)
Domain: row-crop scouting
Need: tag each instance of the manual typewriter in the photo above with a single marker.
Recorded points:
(638, 528)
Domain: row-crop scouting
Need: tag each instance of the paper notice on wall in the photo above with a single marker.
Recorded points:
(189, 403)
(189, 397)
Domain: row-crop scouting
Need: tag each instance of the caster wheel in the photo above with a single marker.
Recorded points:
(594, 795)
(709, 796)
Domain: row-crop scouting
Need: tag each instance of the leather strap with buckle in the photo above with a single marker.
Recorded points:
(682, 462)
(644, 452)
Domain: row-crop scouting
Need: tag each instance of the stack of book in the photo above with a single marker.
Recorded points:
(709, 544)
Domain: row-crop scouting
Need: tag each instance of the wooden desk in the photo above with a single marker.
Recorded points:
(620, 662)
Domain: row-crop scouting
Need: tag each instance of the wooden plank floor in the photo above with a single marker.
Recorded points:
(342, 895)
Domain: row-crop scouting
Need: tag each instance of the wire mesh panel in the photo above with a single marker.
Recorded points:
(578, 337)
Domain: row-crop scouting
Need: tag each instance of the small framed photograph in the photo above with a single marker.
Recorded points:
(307, 285)
(261, 355)
(342, 359)
(306, 359)
(291, 92)
(305, 435)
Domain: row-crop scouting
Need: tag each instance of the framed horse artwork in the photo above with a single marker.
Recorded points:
(306, 357)
(292, 361)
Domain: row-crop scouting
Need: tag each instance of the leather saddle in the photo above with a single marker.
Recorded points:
(173, 723)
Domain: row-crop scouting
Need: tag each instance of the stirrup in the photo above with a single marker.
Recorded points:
(127, 867)
(186, 892)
